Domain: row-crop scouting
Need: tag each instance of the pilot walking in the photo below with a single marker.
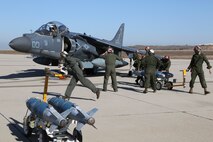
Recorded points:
(196, 67)
(110, 59)
(151, 64)
(75, 67)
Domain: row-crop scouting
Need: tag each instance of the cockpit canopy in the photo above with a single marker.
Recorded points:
(53, 26)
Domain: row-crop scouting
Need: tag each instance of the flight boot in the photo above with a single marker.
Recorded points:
(97, 93)
(66, 97)
(191, 90)
(145, 91)
(206, 92)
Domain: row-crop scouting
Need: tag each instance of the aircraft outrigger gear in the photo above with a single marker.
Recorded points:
(50, 119)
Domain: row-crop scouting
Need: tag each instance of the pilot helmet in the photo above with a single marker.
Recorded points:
(52, 26)
(197, 49)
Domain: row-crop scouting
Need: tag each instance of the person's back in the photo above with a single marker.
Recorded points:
(151, 63)
(110, 59)
(165, 64)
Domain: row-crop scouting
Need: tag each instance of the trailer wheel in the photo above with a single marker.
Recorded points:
(43, 137)
(141, 83)
(27, 129)
(78, 135)
(158, 85)
(169, 85)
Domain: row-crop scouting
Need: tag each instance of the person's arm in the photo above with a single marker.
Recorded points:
(103, 55)
(191, 63)
(80, 63)
(168, 66)
(118, 58)
(207, 62)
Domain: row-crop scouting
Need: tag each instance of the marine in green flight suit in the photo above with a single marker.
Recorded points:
(165, 64)
(110, 59)
(151, 64)
(196, 67)
(75, 67)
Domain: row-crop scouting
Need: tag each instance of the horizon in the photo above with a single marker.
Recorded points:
(156, 22)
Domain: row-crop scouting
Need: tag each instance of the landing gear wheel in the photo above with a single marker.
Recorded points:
(78, 135)
(141, 83)
(158, 85)
(169, 85)
(130, 73)
(26, 127)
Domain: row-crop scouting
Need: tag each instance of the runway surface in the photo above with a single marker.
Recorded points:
(124, 116)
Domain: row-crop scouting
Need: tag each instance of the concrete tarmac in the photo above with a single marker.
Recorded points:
(124, 116)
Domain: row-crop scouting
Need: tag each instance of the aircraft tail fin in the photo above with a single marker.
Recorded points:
(118, 38)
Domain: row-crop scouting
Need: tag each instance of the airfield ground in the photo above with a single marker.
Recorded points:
(124, 116)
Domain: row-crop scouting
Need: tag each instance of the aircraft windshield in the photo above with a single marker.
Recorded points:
(50, 27)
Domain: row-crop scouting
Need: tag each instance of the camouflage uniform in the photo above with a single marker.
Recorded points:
(150, 63)
(75, 67)
(110, 59)
(196, 67)
(165, 64)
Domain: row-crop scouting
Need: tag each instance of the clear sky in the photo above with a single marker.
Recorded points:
(147, 22)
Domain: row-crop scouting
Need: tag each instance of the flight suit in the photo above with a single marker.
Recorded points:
(110, 59)
(165, 65)
(196, 66)
(75, 66)
(151, 64)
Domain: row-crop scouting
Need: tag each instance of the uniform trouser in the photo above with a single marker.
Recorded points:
(78, 76)
(110, 71)
(201, 76)
(150, 79)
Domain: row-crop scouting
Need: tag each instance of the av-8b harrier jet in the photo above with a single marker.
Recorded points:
(46, 44)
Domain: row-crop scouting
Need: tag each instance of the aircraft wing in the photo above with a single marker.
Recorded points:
(103, 44)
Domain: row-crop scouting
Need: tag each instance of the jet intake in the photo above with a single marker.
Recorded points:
(45, 61)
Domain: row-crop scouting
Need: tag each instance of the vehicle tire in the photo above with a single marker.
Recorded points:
(27, 129)
(130, 73)
(141, 83)
(169, 85)
(78, 135)
(158, 85)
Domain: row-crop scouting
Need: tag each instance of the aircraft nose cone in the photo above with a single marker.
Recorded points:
(21, 44)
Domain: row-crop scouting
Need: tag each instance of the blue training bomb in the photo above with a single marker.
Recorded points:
(44, 112)
(76, 113)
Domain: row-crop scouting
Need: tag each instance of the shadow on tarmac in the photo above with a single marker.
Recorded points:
(16, 129)
(59, 95)
(25, 74)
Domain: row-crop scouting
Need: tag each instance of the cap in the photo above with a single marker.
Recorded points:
(197, 48)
